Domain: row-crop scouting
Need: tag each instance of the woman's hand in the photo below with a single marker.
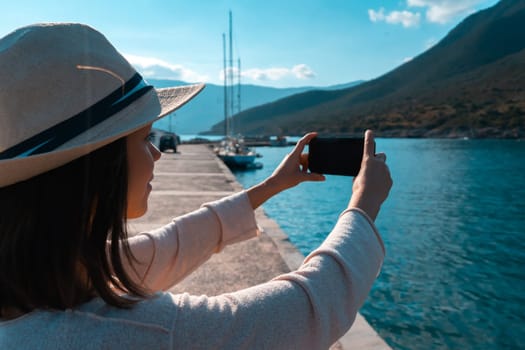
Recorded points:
(372, 184)
(292, 170)
(294, 167)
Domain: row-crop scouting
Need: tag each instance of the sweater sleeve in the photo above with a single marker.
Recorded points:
(168, 254)
(305, 309)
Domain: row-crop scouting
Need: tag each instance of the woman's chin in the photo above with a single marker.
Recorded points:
(137, 213)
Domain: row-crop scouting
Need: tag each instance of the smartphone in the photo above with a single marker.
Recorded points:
(335, 156)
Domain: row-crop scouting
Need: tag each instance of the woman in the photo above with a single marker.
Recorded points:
(76, 163)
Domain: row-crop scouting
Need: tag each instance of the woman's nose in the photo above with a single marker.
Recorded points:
(155, 152)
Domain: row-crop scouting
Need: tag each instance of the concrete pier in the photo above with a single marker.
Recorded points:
(194, 175)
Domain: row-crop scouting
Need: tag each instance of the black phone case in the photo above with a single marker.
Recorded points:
(335, 156)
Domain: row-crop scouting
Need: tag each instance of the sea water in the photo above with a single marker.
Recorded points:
(454, 231)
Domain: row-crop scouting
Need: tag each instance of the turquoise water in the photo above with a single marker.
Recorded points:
(454, 230)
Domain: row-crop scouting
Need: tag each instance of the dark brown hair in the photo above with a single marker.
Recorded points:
(54, 232)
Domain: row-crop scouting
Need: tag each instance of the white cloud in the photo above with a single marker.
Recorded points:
(302, 71)
(299, 71)
(442, 11)
(151, 67)
(436, 11)
(405, 18)
(376, 16)
(407, 59)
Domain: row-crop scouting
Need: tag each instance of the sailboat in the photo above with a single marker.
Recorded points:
(235, 154)
(233, 150)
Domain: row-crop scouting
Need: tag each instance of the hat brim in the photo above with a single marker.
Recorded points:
(149, 108)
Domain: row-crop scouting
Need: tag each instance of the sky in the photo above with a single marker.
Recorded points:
(279, 43)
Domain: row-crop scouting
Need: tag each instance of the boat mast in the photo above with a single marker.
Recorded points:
(238, 85)
(230, 69)
(226, 128)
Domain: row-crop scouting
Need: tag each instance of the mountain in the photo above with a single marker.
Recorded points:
(471, 84)
(207, 108)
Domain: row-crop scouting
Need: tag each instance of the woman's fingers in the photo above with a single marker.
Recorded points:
(299, 146)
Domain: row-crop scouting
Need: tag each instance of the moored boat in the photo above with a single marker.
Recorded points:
(232, 150)
(236, 155)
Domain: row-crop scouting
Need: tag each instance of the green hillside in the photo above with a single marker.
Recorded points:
(471, 84)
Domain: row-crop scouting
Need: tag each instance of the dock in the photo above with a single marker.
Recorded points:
(194, 175)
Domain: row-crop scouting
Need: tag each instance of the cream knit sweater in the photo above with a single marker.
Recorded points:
(305, 309)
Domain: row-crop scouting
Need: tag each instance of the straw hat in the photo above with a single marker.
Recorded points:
(64, 92)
